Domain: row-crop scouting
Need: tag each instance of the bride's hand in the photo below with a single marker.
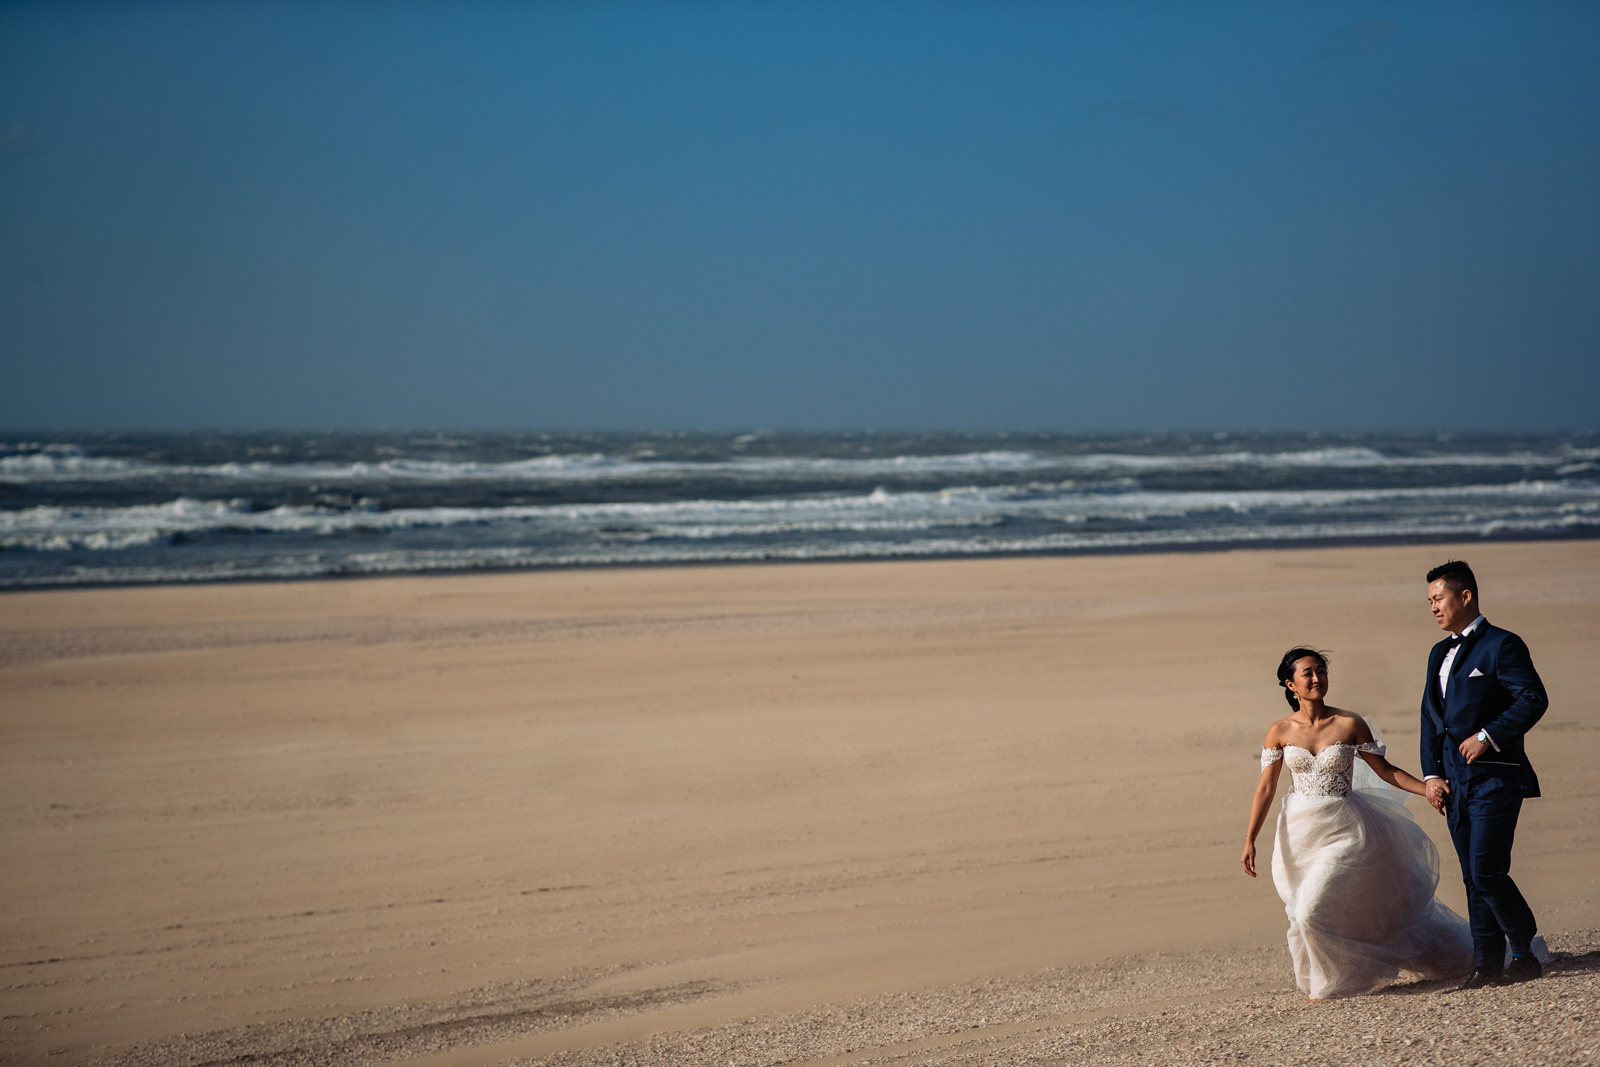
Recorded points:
(1249, 858)
(1436, 789)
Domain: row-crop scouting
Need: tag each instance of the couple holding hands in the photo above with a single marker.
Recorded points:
(1356, 873)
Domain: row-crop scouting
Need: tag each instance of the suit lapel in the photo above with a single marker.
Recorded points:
(1435, 701)
(1465, 650)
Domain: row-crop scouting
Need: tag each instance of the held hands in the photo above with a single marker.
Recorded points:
(1436, 790)
(1249, 858)
(1472, 748)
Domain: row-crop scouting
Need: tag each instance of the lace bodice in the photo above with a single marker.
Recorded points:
(1327, 773)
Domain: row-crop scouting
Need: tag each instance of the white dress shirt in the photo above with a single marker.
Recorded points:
(1450, 657)
(1444, 677)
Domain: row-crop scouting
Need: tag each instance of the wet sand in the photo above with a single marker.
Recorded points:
(882, 811)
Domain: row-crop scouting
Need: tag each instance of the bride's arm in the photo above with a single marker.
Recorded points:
(1381, 766)
(1266, 789)
(1392, 774)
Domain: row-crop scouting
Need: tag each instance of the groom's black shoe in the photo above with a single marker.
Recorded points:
(1483, 978)
(1523, 969)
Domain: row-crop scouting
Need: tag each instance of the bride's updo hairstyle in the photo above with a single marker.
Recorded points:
(1286, 671)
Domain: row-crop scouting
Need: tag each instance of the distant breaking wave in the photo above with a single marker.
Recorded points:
(177, 508)
(71, 464)
(52, 528)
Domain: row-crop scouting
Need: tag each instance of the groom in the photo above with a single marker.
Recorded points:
(1482, 695)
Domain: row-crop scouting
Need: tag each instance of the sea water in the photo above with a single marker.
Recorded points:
(136, 508)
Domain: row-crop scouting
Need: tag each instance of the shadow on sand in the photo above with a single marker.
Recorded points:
(1560, 963)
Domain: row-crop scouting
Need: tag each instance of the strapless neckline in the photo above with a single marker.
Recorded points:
(1314, 776)
(1324, 748)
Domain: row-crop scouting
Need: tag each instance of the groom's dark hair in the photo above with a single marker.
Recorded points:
(1457, 575)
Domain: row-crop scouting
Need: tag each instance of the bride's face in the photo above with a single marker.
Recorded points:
(1310, 679)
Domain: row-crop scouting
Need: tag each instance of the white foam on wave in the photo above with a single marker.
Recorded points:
(614, 554)
(29, 467)
(68, 463)
(58, 528)
(45, 467)
(1321, 457)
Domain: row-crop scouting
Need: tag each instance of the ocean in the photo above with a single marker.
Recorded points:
(110, 509)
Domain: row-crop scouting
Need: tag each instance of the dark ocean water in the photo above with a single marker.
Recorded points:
(122, 508)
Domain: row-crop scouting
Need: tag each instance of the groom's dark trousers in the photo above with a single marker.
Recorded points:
(1493, 686)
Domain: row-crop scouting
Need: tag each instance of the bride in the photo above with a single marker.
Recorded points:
(1356, 873)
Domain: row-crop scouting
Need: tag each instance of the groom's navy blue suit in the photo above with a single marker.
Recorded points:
(1492, 687)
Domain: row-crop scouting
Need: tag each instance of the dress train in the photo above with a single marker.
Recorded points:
(1357, 876)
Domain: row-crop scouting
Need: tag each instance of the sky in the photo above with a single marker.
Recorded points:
(1047, 216)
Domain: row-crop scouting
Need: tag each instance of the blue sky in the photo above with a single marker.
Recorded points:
(810, 215)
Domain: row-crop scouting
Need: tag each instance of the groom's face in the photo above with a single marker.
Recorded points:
(1451, 609)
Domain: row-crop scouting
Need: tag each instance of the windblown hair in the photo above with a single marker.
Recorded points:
(1286, 670)
(1457, 576)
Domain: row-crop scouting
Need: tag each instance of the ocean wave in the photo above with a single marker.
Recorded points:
(613, 554)
(194, 507)
(63, 466)
(61, 463)
(48, 528)
(22, 464)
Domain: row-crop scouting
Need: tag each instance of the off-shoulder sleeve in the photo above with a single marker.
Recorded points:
(1377, 748)
(1269, 756)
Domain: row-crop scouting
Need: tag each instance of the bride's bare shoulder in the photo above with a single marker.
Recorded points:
(1354, 726)
(1276, 732)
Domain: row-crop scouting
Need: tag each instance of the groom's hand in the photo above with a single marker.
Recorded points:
(1472, 748)
(1436, 789)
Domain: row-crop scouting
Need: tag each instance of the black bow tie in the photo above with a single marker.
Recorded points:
(1453, 640)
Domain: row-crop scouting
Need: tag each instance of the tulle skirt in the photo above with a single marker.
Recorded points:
(1357, 876)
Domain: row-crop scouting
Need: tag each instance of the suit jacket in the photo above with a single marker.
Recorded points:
(1493, 687)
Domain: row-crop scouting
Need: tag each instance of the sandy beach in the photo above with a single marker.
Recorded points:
(961, 812)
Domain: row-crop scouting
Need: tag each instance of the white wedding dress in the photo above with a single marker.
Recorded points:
(1357, 876)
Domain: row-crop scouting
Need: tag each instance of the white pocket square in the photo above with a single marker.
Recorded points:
(1476, 673)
